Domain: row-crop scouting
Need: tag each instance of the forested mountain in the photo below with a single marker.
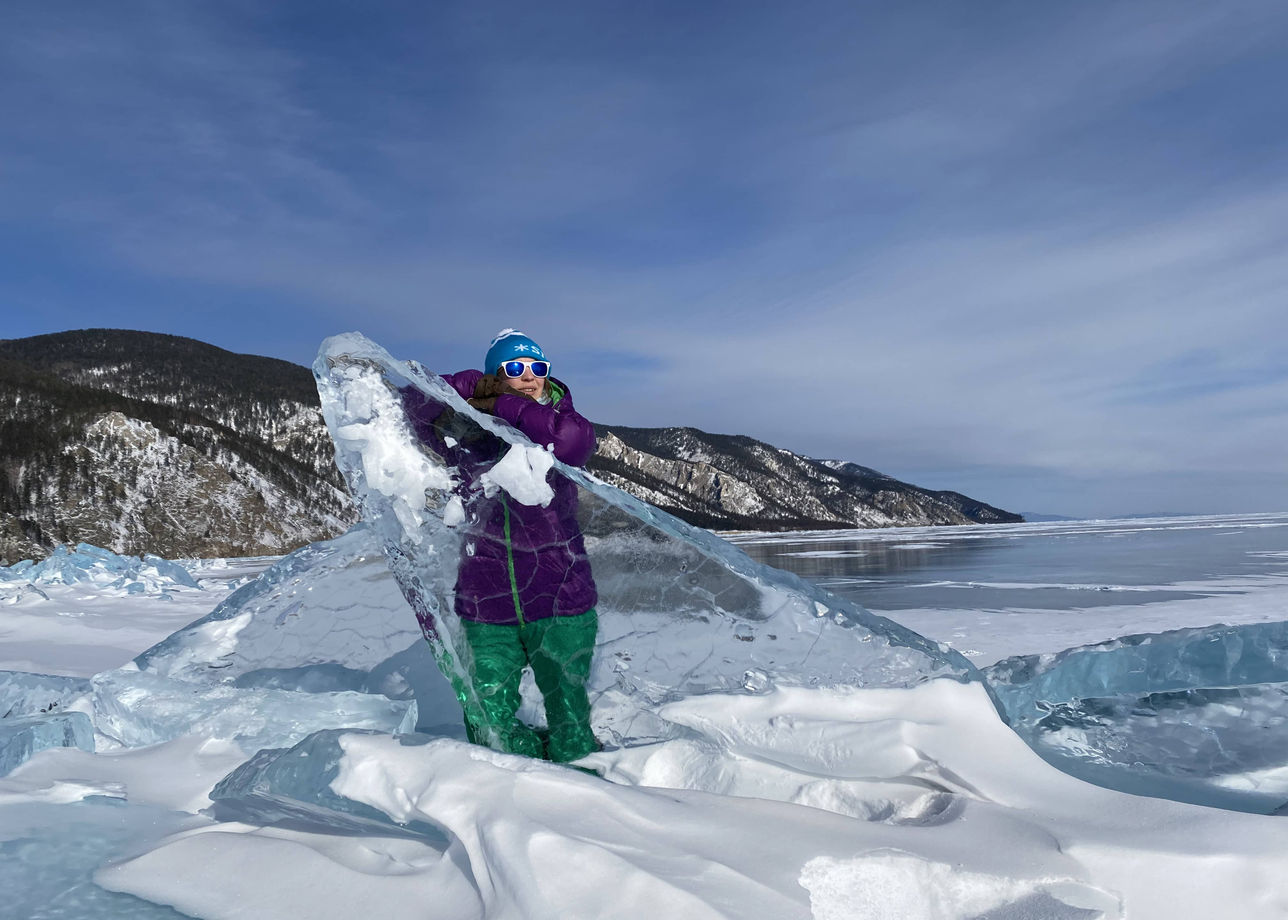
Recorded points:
(141, 442)
(152, 443)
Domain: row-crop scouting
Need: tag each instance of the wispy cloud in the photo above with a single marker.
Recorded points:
(926, 237)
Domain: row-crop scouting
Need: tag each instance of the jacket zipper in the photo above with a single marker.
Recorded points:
(509, 559)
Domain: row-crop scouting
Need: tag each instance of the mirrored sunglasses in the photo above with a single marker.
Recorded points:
(515, 368)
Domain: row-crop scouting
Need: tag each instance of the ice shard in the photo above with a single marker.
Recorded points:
(1197, 715)
(23, 694)
(321, 639)
(36, 713)
(293, 785)
(681, 611)
(328, 605)
(328, 618)
(22, 737)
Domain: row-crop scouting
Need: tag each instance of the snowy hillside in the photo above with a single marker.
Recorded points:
(150, 443)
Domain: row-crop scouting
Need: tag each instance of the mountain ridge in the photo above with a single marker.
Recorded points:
(691, 473)
(147, 442)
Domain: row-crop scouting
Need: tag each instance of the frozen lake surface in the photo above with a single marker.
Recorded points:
(994, 591)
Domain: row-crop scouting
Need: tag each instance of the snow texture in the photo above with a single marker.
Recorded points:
(791, 802)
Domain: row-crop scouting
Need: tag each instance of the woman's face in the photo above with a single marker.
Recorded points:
(529, 384)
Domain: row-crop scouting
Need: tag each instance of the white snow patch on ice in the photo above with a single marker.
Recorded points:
(897, 886)
(58, 792)
(80, 630)
(238, 872)
(391, 464)
(828, 554)
(213, 640)
(522, 474)
(987, 635)
(454, 512)
(178, 774)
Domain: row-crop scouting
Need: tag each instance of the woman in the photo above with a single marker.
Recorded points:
(524, 591)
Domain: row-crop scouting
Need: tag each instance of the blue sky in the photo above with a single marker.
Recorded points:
(1035, 252)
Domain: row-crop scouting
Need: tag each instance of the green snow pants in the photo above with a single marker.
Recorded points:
(559, 649)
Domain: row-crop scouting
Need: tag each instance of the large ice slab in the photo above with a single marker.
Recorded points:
(327, 618)
(327, 603)
(322, 639)
(681, 611)
(1198, 715)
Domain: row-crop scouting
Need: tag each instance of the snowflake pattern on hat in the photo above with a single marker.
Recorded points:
(508, 345)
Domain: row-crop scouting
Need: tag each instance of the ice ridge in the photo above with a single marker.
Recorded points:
(1198, 715)
(147, 574)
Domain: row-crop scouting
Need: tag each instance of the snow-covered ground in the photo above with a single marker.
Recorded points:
(92, 621)
(893, 804)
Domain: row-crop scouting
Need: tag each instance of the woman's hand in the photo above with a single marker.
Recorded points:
(489, 387)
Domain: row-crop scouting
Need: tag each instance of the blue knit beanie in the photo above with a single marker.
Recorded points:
(508, 345)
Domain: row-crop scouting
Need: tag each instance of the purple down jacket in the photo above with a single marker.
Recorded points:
(518, 562)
